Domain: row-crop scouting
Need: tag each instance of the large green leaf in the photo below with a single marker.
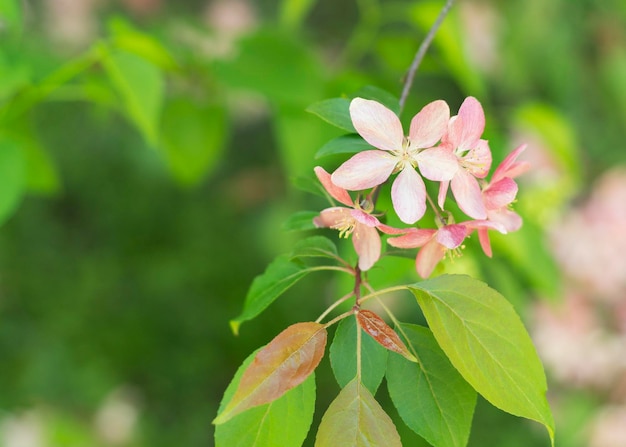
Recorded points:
(279, 276)
(12, 178)
(355, 419)
(301, 220)
(125, 37)
(345, 144)
(343, 356)
(315, 246)
(193, 138)
(335, 111)
(487, 343)
(265, 425)
(382, 96)
(431, 396)
(141, 86)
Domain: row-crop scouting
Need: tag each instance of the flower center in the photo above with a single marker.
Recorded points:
(345, 226)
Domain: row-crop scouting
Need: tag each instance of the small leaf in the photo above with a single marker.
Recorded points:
(264, 426)
(278, 367)
(193, 138)
(487, 343)
(141, 86)
(431, 396)
(279, 276)
(343, 357)
(300, 221)
(345, 144)
(315, 246)
(335, 111)
(380, 331)
(12, 178)
(355, 419)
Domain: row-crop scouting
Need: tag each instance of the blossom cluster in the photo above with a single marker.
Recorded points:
(439, 148)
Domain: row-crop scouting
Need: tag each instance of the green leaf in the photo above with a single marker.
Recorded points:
(343, 356)
(380, 95)
(315, 246)
(302, 220)
(264, 426)
(12, 178)
(11, 16)
(141, 86)
(308, 184)
(355, 419)
(193, 138)
(281, 365)
(345, 144)
(125, 37)
(279, 276)
(335, 111)
(487, 343)
(431, 396)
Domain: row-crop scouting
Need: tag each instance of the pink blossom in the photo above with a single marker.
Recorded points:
(355, 220)
(499, 193)
(436, 243)
(381, 128)
(473, 157)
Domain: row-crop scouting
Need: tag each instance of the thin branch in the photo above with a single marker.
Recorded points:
(332, 306)
(421, 52)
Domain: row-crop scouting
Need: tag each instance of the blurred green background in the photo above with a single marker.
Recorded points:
(147, 156)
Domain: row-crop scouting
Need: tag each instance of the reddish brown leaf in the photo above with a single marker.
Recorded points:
(281, 365)
(382, 333)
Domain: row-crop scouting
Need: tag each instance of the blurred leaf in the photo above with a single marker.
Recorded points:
(41, 173)
(335, 111)
(127, 38)
(193, 138)
(14, 74)
(431, 396)
(487, 343)
(11, 17)
(355, 419)
(279, 276)
(264, 426)
(260, 66)
(141, 86)
(384, 335)
(343, 357)
(380, 95)
(293, 12)
(345, 144)
(309, 184)
(302, 220)
(12, 177)
(315, 246)
(281, 365)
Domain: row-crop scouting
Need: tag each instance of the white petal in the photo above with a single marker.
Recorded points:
(364, 170)
(366, 241)
(378, 125)
(429, 125)
(408, 195)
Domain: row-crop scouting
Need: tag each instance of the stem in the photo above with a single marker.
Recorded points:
(382, 292)
(359, 335)
(339, 318)
(333, 306)
(357, 284)
(332, 267)
(433, 206)
(421, 52)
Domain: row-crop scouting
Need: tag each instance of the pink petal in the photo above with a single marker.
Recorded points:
(391, 230)
(335, 191)
(364, 218)
(500, 194)
(364, 170)
(437, 164)
(413, 239)
(507, 219)
(366, 241)
(451, 236)
(485, 243)
(378, 125)
(472, 225)
(471, 120)
(509, 168)
(428, 257)
(468, 195)
(478, 160)
(408, 195)
(443, 192)
(429, 125)
(332, 216)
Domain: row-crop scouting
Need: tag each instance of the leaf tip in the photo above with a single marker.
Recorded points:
(234, 326)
